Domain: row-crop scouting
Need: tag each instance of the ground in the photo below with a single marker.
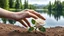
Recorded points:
(12, 30)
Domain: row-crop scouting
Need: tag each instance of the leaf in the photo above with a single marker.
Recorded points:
(4, 20)
(11, 21)
(31, 29)
(33, 21)
(42, 29)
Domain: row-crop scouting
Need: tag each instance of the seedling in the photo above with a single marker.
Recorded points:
(37, 25)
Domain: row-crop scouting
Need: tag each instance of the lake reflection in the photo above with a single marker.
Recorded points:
(54, 18)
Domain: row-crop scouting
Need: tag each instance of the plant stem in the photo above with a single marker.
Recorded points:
(35, 29)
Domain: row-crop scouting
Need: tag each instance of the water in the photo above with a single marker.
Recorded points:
(52, 20)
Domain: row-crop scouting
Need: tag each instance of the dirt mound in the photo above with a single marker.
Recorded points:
(12, 30)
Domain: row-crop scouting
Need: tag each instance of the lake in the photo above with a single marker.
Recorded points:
(52, 19)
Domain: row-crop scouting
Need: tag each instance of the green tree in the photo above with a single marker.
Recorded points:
(57, 5)
(63, 5)
(50, 6)
(21, 6)
(31, 7)
(26, 4)
(17, 5)
(11, 3)
(5, 4)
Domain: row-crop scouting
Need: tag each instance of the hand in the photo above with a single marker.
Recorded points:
(21, 16)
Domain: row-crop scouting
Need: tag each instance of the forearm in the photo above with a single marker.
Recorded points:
(5, 13)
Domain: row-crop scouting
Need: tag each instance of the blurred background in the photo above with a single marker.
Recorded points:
(52, 10)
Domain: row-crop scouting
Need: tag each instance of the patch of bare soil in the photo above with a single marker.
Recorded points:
(55, 31)
(12, 30)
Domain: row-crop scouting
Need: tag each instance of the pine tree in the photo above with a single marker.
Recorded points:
(11, 3)
(21, 6)
(26, 4)
(5, 4)
(17, 5)
(50, 6)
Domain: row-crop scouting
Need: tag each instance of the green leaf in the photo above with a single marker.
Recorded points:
(4, 20)
(42, 29)
(31, 29)
(33, 21)
(11, 21)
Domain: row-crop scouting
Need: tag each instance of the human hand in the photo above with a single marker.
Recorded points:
(22, 15)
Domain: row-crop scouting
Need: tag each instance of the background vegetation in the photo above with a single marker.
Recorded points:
(56, 9)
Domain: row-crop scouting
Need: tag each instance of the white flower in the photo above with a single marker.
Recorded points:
(39, 22)
(38, 26)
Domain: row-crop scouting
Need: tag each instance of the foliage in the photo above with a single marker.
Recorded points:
(31, 7)
(33, 21)
(11, 3)
(4, 4)
(42, 29)
(11, 21)
(17, 5)
(4, 20)
(31, 29)
(21, 6)
(49, 7)
(56, 6)
(26, 4)
(56, 9)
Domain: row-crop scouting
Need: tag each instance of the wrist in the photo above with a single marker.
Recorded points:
(11, 15)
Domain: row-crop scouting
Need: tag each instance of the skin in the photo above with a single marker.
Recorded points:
(20, 16)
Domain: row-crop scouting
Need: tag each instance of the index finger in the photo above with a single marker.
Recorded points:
(37, 14)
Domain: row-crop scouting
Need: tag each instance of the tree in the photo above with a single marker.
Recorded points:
(2, 3)
(21, 6)
(50, 6)
(26, 4)
(31, 7)
(5, 4)
(11, 3)
(17, 5)
(63, 5)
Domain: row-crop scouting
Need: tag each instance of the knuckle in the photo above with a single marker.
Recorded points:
(27, 13)
(38, 13)
(31, 10)
(26, 9)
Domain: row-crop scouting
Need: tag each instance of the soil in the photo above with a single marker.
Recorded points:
(55, 31)
(12, 30)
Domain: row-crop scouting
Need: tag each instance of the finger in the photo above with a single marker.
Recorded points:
(37, 14)
(27, 22)
(23, 23)
(32, 15)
